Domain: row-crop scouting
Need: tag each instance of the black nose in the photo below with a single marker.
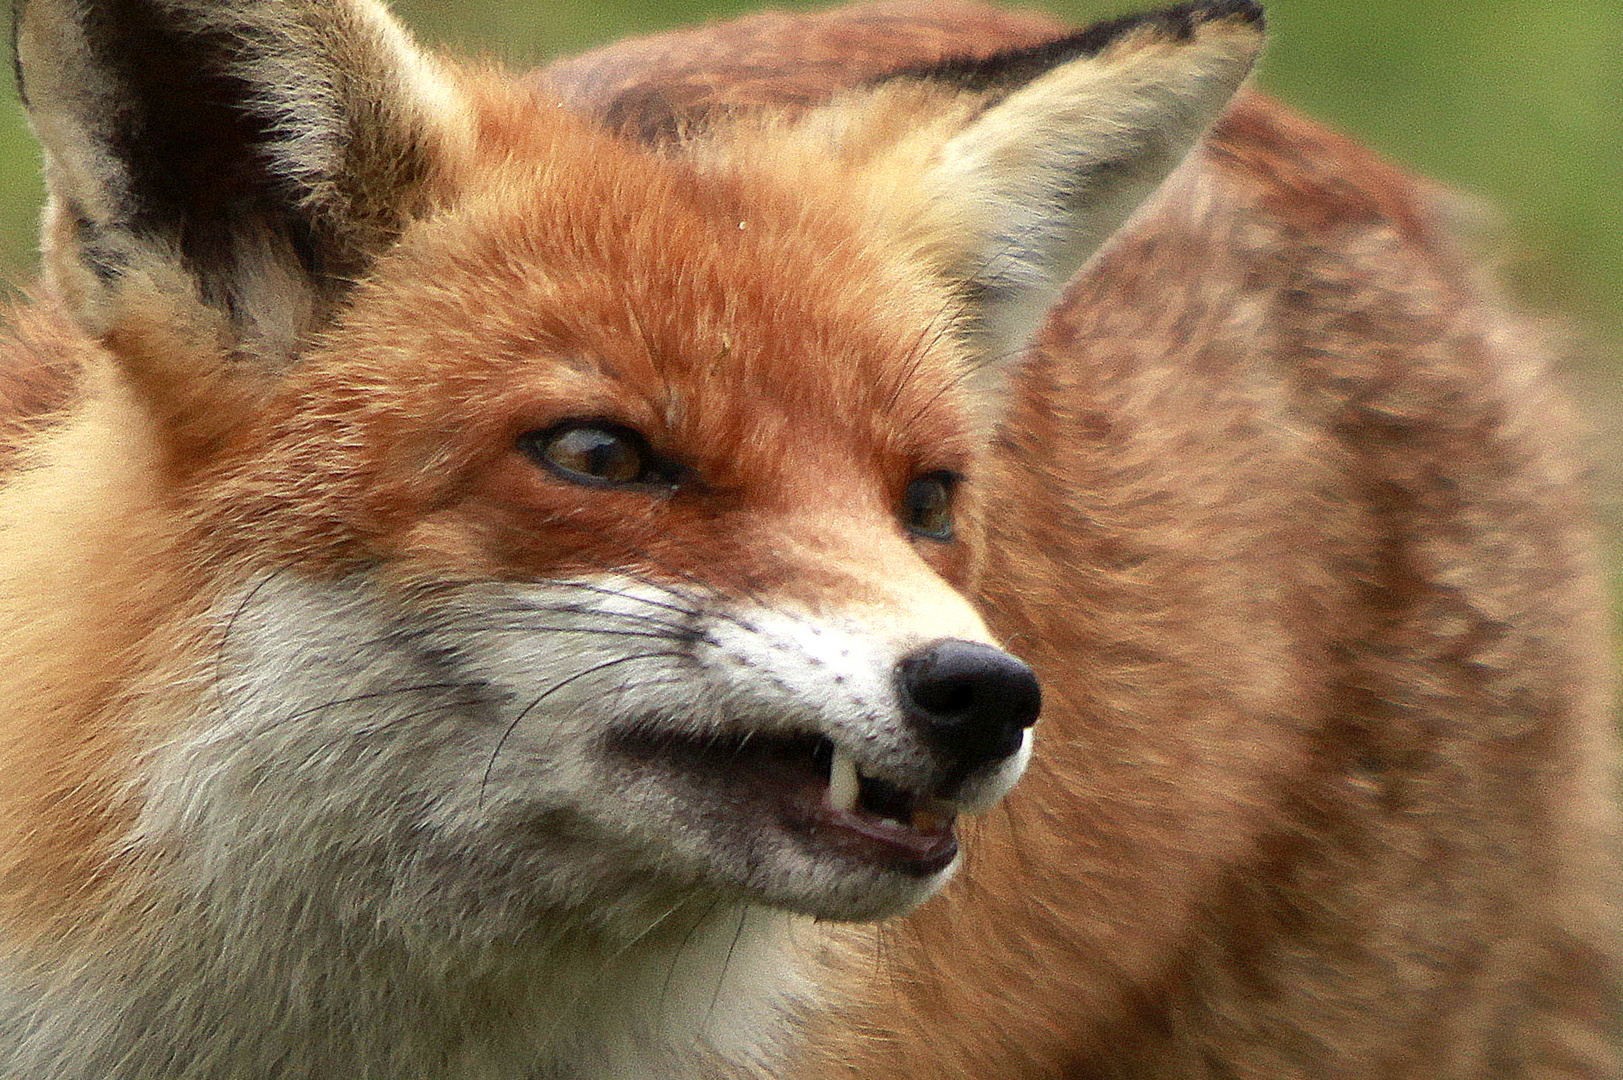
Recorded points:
(973, 701)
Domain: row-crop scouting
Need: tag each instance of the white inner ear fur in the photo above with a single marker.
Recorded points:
(1051, 172)
(1007, 201)
(274, 305)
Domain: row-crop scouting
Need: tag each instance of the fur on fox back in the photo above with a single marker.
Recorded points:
(352, 725)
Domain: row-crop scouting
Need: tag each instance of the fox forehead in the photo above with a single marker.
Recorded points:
(748, 327)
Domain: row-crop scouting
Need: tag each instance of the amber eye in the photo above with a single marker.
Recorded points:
(600, 454)
(927, 505)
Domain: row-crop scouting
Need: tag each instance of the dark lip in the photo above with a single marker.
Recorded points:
(782, 781)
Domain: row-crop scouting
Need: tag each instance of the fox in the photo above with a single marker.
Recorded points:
(906, 540)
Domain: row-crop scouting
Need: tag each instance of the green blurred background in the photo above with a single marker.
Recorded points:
(1517, 101)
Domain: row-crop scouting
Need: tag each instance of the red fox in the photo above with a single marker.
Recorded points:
(536, 577)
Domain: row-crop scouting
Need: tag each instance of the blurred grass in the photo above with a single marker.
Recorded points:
(1517, 101)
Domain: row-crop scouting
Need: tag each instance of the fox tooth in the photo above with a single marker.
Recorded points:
(842, 782)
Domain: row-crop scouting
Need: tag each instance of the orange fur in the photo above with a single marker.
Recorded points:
(311, 763)
(1292, 420)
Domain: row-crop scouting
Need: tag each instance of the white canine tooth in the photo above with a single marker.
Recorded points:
(842, 782)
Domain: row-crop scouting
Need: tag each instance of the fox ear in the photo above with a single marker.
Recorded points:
(225, 168)
(1014, 169)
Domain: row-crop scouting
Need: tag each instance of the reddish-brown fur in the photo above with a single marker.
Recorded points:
(467, 505)
(1282, 513)
(1324, 641)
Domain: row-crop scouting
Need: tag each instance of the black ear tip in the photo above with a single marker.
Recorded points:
(16, 53)
(1008, 70)
(1248, 11)
(1183, 20)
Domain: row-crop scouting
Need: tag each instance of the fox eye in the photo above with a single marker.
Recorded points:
(927, 505)
(598, 453)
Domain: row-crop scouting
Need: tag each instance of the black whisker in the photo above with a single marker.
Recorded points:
(355, 699)
(928, 339)
(709, 590)
(726, 964)
(676, 957)
(228, 628)
(526, 605)
(553, 689)
(692, 610)
(520, 627)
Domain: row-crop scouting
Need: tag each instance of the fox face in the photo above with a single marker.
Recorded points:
(643, 490)
(500, 571)
(717, 637)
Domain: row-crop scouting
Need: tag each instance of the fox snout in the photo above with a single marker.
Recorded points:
(970, 701)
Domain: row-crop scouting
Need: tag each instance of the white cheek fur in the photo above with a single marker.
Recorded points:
(428, 786)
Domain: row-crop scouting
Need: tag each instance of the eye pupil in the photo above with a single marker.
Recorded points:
(595, 452)
(927, 505)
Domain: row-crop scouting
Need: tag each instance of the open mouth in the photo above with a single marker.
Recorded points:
(813, 790)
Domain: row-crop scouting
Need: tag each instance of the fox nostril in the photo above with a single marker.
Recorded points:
(973, 701)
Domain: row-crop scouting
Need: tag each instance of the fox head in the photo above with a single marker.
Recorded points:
(552, 524)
